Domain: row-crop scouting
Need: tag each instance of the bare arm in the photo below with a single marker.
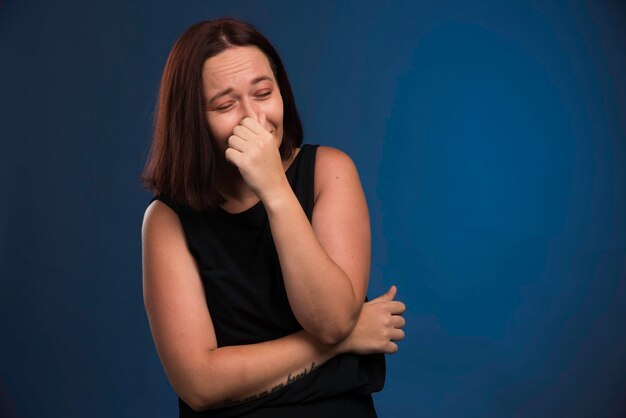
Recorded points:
(202, 374)
(205, 376)
(325, 263)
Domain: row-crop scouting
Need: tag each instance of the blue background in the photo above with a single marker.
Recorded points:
(491, 142)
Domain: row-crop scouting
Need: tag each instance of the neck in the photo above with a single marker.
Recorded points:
(231, 184)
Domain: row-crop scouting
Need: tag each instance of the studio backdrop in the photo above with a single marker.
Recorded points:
(490, 138)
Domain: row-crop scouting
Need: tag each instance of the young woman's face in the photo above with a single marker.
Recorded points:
(239, 83)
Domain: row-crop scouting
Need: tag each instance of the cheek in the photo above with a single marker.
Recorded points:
(221, 126)
(276, 112)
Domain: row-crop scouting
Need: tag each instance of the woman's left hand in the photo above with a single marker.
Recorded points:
(254, 151)
(379, 327)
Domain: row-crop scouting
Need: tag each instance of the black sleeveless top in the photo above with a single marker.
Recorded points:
(246, 297)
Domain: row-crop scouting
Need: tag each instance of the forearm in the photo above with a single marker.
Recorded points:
(236, 374)
(320, 292)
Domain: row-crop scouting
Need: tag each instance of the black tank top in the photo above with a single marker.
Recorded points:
(246, 296)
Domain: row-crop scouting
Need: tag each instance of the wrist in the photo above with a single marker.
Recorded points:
(341, 347)
(278, 197)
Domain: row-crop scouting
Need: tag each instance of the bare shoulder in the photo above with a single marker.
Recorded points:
(331, 166)
(159, 217)
(329, 158)
(162, 234)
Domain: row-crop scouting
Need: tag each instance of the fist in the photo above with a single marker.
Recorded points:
(379, 326)
(254, 151)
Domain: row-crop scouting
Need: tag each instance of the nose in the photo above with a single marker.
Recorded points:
(249, 109)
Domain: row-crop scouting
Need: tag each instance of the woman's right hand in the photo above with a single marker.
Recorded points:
(379, 326)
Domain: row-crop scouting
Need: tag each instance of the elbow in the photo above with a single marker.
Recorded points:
(196, 404)
(331, 328)
(195, 401)
(331, 338)
(200, 385)
(334, 333)
(199, 403)
(198, 397)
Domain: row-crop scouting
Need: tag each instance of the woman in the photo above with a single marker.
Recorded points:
(256, 248)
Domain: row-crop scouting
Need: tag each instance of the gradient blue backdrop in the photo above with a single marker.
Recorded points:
(491, 142)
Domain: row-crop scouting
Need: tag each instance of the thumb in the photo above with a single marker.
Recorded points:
(262, 119)
(389, 296)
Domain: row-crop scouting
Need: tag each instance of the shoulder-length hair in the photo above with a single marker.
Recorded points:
(182, 159)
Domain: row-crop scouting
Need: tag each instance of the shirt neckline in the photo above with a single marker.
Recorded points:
(258, 203)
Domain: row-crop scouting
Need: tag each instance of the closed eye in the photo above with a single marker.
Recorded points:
(224, 107)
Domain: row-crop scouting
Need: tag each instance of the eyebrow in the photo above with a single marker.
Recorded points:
(230, 89)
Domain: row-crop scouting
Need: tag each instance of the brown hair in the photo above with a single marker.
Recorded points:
(182, 163)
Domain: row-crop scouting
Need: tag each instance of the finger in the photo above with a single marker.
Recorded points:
(233, 156)
(397, 321)
(244, 132)
(262, 119)
(391, 293)
(396, 307)
(237, 143)
(396, 335)
(253, 125)
(391, 347)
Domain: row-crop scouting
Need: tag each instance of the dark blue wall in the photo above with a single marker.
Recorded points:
(491, 142)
